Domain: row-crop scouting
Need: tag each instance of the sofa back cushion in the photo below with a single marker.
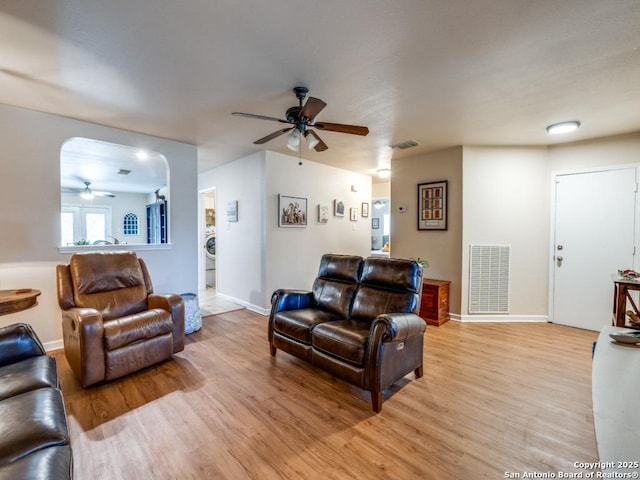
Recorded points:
(387, 285)
(113, 283)
(337, 282)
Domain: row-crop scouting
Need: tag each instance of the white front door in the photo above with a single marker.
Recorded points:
(593, 238)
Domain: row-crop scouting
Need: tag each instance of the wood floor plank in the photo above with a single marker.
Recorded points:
(494, 398)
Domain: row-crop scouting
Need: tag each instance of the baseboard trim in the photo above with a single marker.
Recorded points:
(500, 318)
(247, 305)
(53, 345)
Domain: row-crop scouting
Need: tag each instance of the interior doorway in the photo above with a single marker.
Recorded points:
(209, 240)
(380, 226)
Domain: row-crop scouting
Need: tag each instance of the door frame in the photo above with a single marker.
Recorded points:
(202, 258)
(552, 231)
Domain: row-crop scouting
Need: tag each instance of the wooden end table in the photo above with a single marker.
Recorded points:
(12, 301)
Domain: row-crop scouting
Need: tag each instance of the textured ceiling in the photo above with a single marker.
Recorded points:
(445, 73)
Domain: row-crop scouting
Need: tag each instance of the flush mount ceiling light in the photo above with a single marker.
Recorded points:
(142, 154)
(384, 172)
(563, 127)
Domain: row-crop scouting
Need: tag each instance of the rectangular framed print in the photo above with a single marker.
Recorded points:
(365, 209)
(432, 205)
(323, 213)
(292, 211)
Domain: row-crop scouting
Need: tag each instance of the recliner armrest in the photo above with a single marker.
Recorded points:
(19, 342)
(399, 326)
(173, 304)
(283, 299)
(83, 336)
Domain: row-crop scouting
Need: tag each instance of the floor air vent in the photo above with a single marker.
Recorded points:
(489, 279)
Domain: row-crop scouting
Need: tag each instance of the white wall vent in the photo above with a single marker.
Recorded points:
(489, 279)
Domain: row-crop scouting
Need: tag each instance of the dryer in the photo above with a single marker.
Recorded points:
(210, 251)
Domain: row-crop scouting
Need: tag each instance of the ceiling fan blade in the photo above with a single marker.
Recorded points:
(259, 117)
(312, 108)
(321, 146)
(104, 194)
(272, 136)
(342, 128)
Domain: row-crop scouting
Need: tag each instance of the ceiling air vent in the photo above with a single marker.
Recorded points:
(404, 145)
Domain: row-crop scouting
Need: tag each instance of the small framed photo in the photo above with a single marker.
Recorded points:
(292, 211)
(432, 206)
(353, 214)
(323, 213)
(232, 211)
(365, 209)
(338, 208)
(375, 223)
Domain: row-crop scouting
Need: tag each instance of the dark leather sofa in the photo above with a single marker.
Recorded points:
(34, 439)
(359, 322)
(112, 322)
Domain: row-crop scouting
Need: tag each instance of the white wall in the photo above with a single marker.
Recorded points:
(442, 248)
(293, 254)
(615, 150)
(506, 202)
(30, 212)
(254, 256)
(240, 246)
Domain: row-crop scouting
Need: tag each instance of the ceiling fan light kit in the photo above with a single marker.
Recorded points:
(87, 194)
(302, 118)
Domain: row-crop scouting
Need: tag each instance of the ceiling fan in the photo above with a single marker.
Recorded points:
(88, 193)
(302, 118)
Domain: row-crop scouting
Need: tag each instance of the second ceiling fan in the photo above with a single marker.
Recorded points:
(302, 118)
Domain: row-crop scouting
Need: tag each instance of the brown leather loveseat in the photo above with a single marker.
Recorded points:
(34, 437)
(359, 321)
(112, 322)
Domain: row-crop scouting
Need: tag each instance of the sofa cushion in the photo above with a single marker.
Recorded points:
(298, 324)
(344, 339)
(111, 282)
(27, 375)
(30, 422)
(336, 283)
(133, 328)
(370, 302)
(345, 268)
(387, 286)
(45, 464)
(392, 273)
(334, 296)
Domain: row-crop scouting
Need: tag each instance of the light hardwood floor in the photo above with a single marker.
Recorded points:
(494, 398)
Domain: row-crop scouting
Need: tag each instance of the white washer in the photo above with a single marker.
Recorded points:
(210, 249)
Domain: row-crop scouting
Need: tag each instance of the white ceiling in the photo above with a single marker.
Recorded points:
(445, 73)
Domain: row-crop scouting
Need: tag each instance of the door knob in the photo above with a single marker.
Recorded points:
(559, 259)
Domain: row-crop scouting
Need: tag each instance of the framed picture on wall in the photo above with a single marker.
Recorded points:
(432, 205)
(353, 214)
(292, 211)
(323, 213)
(338, 208)
(232, 211)
(365, 209)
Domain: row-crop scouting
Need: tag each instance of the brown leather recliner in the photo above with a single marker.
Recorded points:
(112, 322)
(359, 321)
